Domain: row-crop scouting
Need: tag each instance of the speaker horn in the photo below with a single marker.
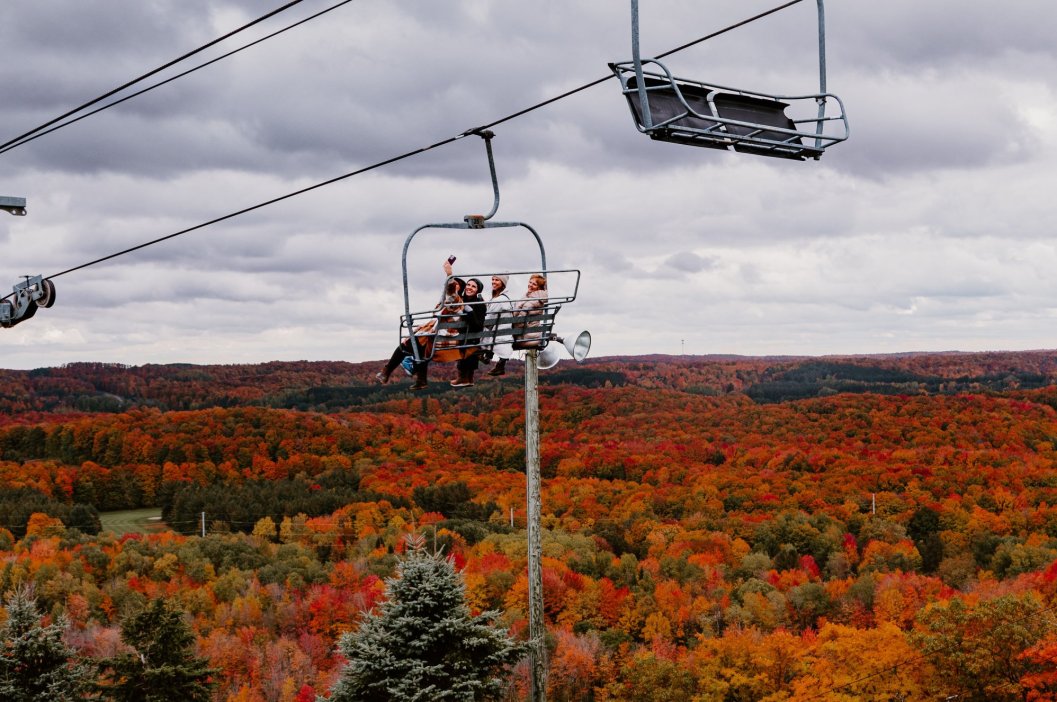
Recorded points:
(577, 346)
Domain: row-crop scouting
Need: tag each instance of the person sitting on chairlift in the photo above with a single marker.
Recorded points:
(498, 346)
(425, 334)
(532, 305)
(473, 313)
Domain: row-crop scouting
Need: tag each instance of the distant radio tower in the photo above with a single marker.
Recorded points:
(682, 346)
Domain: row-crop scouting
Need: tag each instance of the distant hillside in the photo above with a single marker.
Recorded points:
(703, 517)
(334, 385)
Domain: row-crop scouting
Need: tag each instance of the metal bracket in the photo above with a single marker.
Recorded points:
(30, 281)
(26, 297)
(14, 205)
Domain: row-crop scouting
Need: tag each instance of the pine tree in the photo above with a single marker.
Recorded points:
(36, 665)
(162, 667)
(423, 644)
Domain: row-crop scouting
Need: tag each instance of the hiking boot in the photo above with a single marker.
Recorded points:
(420, 378)
(464, 380)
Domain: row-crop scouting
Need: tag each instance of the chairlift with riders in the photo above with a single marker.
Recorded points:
(442, 337)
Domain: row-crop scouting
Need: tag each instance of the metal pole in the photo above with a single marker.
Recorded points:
(537, 642)
(644, 102)
(821, 72)
(203, 525)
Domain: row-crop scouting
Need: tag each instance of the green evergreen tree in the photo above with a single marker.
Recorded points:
(36, 665)
(423, 644)
(162, 667)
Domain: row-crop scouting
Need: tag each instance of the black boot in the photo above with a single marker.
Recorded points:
(500, 368)
(421, 371)
(383, 375)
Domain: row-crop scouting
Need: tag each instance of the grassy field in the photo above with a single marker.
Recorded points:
(133, 521)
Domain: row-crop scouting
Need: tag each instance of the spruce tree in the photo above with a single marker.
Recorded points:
(422, 644)
(36, 665)
(162, 667)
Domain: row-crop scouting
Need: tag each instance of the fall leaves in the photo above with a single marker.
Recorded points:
(696, 547)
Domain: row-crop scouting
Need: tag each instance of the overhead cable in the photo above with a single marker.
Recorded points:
(408, 154)
(150, 73)
(169, 80)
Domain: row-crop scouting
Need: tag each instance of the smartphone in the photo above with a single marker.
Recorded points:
(451, 259)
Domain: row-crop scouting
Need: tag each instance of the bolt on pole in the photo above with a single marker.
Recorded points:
(537, 640)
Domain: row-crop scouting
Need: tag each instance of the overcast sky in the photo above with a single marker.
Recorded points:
(929, 229)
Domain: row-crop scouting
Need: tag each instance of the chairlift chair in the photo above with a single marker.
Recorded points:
(709, 115)
(450, 342)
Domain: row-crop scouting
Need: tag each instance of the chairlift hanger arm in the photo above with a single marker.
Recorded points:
(477, 221)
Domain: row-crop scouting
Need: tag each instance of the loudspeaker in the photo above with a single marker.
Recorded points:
(577, 346)
(548, 357)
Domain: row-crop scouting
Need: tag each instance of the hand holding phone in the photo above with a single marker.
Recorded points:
(451, 259)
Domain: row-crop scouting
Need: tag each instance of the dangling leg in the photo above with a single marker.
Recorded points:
(421, 371)
(467, 366)
(394, 361)
(500, 368)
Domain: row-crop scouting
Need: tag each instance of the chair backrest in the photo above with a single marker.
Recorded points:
(677, 112)
(759, 113)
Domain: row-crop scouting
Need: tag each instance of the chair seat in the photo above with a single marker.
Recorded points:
(710, 116)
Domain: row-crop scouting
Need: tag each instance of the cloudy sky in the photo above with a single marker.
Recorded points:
(929, 229)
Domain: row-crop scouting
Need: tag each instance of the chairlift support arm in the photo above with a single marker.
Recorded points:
(637, 57)
(477, 221)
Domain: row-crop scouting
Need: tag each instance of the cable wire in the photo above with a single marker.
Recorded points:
(151, 73)
(408, 154)
(170, 80)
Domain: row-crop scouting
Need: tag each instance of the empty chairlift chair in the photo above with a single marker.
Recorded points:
(703, 114)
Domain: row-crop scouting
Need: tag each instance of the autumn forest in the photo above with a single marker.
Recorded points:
(715, 528)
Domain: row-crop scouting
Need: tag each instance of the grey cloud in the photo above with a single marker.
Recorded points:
(689, 262)
(939, 175)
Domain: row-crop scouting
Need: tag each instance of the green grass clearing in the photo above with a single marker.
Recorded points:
(133, 521)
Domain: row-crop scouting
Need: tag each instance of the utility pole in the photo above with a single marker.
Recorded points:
(203, 525)
(537, 641)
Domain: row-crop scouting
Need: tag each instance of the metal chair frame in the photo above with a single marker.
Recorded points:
(466, 343)
(713, 115)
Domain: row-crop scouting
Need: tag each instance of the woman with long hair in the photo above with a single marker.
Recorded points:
(474, 310)
(531, 305)
(451, 307)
